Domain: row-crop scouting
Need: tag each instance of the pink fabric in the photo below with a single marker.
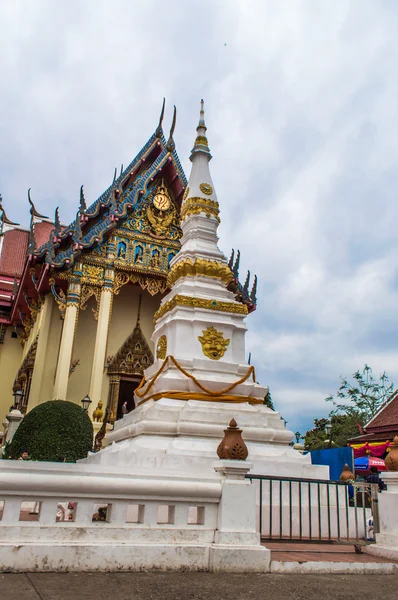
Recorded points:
(366, 449)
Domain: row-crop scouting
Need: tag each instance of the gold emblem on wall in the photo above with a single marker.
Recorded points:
(161, 348)
(206, 188)
(213, 343)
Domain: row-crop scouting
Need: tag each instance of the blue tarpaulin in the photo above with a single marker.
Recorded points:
(335, 459)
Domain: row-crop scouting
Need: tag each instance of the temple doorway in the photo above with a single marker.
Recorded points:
(126, 394)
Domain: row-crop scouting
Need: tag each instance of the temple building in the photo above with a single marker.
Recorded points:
(78, 301)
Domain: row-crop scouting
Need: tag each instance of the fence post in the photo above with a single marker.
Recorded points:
(387, 540)
(237, 543)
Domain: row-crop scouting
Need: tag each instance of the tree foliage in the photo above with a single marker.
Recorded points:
(268, 400)
(363, 397)
(53, 429)
(344, 427)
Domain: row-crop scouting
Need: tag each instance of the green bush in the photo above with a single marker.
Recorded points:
(51, 430)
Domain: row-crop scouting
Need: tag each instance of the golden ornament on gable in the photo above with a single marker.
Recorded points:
(206, 188)
(161, 348)
(214, 345)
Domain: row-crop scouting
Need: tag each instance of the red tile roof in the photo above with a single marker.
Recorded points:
(42, 232)
(15, 245)
(387, 416)
(13, 252)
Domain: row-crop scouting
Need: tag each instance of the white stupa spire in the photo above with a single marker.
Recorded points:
(200, 234)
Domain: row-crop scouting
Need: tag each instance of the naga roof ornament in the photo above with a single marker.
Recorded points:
(159, 129)
(4, 217)
(83, 205)
(170, 146)
(33, 210)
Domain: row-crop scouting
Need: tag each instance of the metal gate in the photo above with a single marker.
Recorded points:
(296, 509)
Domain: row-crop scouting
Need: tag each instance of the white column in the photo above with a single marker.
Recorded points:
(237, 542)
(67, 339)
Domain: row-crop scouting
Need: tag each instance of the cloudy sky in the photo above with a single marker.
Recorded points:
(302, 115)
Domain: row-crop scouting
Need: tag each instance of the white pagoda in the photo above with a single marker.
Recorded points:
(200, 379)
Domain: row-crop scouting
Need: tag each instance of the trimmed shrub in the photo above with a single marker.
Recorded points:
(51, 430)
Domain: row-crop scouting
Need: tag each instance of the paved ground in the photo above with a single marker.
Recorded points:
(195, 586)
(291, 552)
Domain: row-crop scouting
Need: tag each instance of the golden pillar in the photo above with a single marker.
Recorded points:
(41, 353)
(67, 337)
(101, 338)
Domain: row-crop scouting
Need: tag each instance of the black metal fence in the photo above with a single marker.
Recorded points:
(297, 509)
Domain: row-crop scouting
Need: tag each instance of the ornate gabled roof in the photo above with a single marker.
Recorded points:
(135, 355)
(123, 196)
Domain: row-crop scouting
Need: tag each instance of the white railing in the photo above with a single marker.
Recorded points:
(56, 516)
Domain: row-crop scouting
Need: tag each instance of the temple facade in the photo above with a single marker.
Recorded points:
(78, 301)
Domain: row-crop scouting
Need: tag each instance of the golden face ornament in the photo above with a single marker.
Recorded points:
(214, 345)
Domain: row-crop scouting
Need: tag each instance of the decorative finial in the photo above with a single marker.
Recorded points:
(202, 116)
(77, 230)
(159, 129)
(346, 473)
(121, 169)
(201, 143)
(3, 217)
(83, 205)
(391, 461)
(139, 310)
(114, 175)
(57, 223)
(253, 293)
(235, 269)
(231, 259)
(32, 242)
(232, 446)
(33, 210)
(247, 282)
(170, 143)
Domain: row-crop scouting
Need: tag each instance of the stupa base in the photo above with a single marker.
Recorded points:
(183, 436)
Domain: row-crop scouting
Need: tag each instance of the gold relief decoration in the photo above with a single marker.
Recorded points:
(199, 267)
(206, 188)
(196, 205)
(185, 196)
(92, 274)
(161, 348)
(180, 300)
(24, 375)
(86, 293)
(201, 139)
(157, 216)
(213, 343)
(154, 286)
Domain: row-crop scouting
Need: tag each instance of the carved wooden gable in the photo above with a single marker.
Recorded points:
(134, 355)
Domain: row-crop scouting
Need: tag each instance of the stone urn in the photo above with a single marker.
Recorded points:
(391, 461)
(347, 474)
(232, 446)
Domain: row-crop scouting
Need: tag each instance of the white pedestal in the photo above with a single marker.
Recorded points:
(14, 419)
(387, 540)
(237, 543)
